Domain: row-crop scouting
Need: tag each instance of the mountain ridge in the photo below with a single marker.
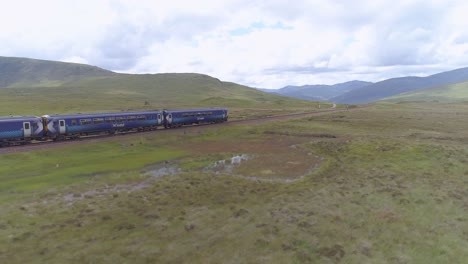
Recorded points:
(457, 92)
(98, 90)
(400, 85)
(319, 92)
(18, 72)
(25, 72)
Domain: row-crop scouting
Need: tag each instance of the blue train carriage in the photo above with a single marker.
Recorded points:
(15, 130)
(75, 125)
(177, 118)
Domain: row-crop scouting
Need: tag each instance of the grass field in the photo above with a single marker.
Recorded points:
(384, 184)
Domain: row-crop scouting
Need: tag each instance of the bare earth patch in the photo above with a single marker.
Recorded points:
(281, 161)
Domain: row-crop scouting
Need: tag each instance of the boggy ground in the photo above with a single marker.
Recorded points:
(386, 184)
(280, 159)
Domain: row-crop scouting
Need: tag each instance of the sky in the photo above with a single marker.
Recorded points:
(264, 44)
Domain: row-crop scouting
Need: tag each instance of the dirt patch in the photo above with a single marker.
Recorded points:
(278, 162)
(151, 173)
(387, 215)
(336, 252)
(227, 165)
(299, 134)
(164, 171)
(267, 145)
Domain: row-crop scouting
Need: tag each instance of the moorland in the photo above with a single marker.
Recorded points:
(384, 183)
(380, 184)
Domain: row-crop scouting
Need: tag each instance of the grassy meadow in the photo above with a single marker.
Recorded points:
(383, 184)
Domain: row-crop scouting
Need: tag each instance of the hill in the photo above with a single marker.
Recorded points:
(448, 93)
(319, 92)
(24, 72)
(37, 87)
(173, 89)
(395, 86)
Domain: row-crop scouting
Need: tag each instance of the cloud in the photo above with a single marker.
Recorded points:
(301, 70)
(253, 42)
(258, 26)
(75, 59)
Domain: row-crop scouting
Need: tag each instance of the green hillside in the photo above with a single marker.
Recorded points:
(449, 93)
(136, 92)
(24, 72)
(181, 89)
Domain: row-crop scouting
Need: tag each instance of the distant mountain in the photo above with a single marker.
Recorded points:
(24, 72)
(395, 86)
(318, 92)
(448, 93)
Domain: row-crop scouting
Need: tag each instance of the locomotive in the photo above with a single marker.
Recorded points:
(17, 130)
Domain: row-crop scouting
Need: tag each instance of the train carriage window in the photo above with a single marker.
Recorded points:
(131, 118)
(141, 117)
(98, 120)
(121, 119)
(110, 119)
(26, 126)
(73, 122)
(85, 121)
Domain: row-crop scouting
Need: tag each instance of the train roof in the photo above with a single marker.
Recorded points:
(91, 115)
(17, 118)
(194, 110)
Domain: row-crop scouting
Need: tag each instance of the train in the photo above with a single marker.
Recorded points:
(18, 130)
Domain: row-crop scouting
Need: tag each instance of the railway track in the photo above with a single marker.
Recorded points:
(96, 138)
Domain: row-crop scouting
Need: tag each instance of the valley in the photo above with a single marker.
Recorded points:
(378, 184)
(269, 132)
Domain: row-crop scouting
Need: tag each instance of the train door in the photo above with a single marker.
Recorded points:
(159, 119)
(62, 129)
(169, 119)
(27, 129)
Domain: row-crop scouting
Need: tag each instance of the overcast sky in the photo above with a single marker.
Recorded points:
(267, 44)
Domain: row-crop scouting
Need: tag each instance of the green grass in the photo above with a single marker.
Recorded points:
(385, 184)
(449, 93)
(29, 171)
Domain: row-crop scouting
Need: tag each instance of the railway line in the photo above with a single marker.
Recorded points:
(38, 145)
